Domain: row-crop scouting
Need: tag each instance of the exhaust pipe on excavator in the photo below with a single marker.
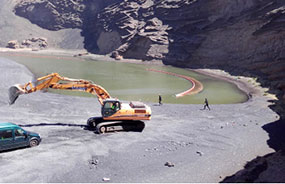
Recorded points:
(14, 92)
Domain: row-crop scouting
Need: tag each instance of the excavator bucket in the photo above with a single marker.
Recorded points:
(14, 93)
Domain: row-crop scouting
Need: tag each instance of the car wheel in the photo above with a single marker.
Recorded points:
(34, 143)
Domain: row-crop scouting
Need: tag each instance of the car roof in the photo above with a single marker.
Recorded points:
(7, 125)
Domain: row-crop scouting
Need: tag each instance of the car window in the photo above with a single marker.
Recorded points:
(5, 134)
(19, 132)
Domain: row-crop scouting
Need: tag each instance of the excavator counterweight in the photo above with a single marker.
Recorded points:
(113, 110)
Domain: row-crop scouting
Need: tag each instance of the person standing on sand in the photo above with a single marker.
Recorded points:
(159, 100)
(206, 104)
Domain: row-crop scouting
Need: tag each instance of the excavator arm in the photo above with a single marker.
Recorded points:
(55, 81)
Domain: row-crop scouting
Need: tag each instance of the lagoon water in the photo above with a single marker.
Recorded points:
(128, 81)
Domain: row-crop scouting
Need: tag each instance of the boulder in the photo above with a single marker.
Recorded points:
(13, 44)
(116, 55)
(35, 43)
(169, 164)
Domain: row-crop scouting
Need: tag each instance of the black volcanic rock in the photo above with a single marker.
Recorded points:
(52, 14)
(59, 14)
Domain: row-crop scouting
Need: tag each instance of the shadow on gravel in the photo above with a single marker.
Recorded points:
(10, 150)
(271, 162)
(125, 127)
(54, 124)
(276, 134)
(157, 104)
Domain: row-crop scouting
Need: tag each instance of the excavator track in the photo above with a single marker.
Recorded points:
(101, 126)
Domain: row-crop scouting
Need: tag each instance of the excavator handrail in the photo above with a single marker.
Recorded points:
(55, 81)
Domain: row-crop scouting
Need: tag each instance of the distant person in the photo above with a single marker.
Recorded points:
(206, 104)
(159, 100)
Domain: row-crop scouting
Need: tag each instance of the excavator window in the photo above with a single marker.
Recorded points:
(110, 108)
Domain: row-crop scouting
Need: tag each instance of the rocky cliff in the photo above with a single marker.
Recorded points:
(55, 14)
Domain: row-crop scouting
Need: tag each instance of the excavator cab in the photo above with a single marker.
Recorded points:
(110, 107)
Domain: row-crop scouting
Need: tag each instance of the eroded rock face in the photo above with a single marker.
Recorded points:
(52, 14)
(242, 36)
(59, 14)
(141, 34)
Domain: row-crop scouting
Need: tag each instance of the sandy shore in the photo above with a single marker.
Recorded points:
(74, 53)
(203, 146)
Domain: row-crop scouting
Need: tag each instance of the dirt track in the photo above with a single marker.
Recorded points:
(204, 146)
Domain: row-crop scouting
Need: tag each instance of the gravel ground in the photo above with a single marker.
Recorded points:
(200, 145)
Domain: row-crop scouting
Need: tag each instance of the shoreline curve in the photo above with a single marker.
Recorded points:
(197, 86)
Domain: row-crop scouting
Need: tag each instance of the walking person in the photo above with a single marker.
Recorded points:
(159, 100)
(206, 104)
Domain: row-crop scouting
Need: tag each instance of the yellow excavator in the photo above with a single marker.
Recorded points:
(115, 114)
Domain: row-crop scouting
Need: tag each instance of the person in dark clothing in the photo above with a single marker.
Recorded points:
(159, 100)
(206, 104)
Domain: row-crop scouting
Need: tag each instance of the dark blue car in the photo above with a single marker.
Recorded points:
(12, 136)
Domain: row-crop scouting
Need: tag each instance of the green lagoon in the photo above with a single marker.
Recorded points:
(128, 81)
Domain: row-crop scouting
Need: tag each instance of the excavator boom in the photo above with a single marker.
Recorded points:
(55, 81)
(114, 112)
